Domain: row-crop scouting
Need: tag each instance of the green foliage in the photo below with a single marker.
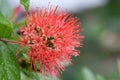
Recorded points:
(13, 48)
(31, 75)
(118, 62)
(26, 74)
(99, 77)
(5, 27)
(25, 3)
(9, 69)
(87, 74)
(17, 25)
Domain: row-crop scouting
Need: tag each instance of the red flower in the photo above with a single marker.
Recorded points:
(52, 39)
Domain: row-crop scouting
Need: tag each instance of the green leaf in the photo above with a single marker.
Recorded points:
(25, 3)
(99, 77)
(118, 63)
(5, 27)
(87, 74)
(30, 75)
(13, 48)
(23, 76)
(9, 69)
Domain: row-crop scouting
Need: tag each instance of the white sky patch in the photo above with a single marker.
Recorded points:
(70, 5)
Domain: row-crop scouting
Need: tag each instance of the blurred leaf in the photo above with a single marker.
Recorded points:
(36, 76)
(23, 76)
(87, 74)
(9, 69)
(99, 77)
(3, 20)
(118, 62)
(20, 24)
(30, 75)
(25, 3)
(5, 27)
(51, 78)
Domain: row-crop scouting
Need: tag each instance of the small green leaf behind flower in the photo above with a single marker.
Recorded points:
(25, 3)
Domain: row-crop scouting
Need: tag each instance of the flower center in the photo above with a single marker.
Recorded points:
(49, 42)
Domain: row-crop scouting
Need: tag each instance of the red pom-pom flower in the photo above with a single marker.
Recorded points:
(52, 38)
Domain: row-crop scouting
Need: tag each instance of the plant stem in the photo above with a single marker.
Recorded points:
(8, 41)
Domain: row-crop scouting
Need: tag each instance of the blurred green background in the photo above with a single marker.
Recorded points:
(99, 56)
